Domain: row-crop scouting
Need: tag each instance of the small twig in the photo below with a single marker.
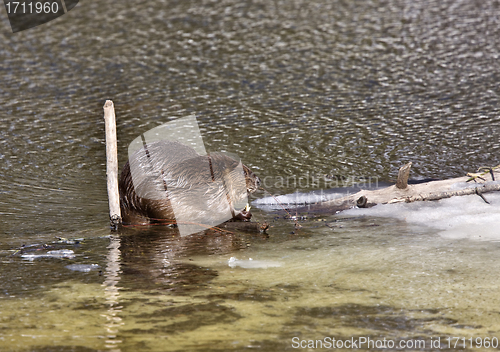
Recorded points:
(297, 225)
(482, 197)
(489, 170)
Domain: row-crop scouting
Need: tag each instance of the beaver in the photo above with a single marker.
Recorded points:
(178, 183)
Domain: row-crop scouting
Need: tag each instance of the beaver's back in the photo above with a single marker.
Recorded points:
(191, 183)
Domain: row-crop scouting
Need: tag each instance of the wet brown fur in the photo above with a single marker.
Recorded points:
(181, 170)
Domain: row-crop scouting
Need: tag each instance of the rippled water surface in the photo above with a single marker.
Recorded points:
(299, 90)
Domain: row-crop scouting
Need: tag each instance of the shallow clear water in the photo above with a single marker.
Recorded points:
(339, 277)
(297, 89)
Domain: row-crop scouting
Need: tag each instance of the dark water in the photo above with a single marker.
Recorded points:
(296, 89)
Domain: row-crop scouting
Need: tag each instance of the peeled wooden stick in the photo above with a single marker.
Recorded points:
(112, 165)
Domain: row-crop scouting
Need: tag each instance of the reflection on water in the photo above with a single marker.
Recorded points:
(112, 294)
(351, 89)
(339, 277)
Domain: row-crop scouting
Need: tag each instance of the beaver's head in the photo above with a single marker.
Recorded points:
(252, 180)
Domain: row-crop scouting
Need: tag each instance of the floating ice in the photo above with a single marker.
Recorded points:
(252, 264)
(456, 217)
(84, 268)
(59, 254)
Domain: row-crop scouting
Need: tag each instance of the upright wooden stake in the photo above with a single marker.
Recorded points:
(112, 165)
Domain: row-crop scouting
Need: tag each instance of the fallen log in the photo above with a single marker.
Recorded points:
(403, 192)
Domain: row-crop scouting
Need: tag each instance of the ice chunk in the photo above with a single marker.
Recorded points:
(252, 264)
(456, 217)
(59, 254)
(84, 268)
